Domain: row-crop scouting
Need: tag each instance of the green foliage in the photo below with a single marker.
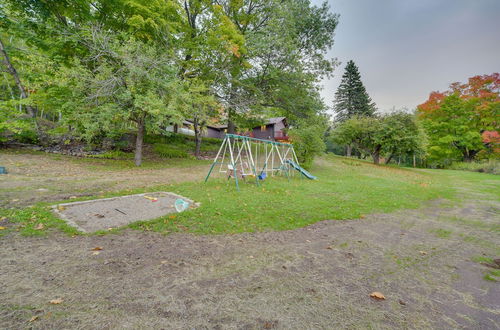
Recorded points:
(99, 68)
(351, 98)
(393, 134)
(114, 154)
(452, 133)
(169, 151)
(308, 142)
(487, 166)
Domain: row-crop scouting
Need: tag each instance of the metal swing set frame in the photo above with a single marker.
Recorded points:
(243, 156)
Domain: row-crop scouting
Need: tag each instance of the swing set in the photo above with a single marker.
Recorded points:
(243, 157)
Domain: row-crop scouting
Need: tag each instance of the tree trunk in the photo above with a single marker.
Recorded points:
(376, 155)
(388, 160)
(176, 128)
(139, 139)
(197, 137)
(348, 151)
(231, 126)
(15, 75)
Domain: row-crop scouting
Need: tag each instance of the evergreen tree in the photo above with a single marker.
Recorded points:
(351, 98)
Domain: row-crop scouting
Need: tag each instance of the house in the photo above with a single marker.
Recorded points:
(213, 131)
(272, 129)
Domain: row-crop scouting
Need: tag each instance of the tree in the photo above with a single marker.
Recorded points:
(402, 136)
(455, 119)
(362, 133)
(351, 98)
(132, 83)
(392, 134)
(308, 141)
(12, 71)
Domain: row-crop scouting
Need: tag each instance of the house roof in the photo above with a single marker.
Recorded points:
(275, 120)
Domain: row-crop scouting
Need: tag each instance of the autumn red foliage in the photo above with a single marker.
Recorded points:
(484, 87)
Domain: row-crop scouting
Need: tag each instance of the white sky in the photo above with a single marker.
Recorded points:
(407, 48)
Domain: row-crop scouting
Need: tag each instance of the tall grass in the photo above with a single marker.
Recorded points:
(487, 166)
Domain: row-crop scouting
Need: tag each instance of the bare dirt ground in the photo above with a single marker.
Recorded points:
(315, 277)
(41, 177)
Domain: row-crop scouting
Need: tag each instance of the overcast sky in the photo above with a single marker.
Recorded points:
(407, 48)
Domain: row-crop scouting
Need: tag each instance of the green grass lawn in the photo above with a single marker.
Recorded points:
(345, 189)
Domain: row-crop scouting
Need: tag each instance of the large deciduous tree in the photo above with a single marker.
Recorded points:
(390, 135)
(456, 119)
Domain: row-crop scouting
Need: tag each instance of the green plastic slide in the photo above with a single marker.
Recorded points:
(301, 170)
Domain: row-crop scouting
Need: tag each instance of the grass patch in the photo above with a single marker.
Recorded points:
(493, 275)
(472, 223)
(35, 221)
(168, 151)
(342, 191)
(441, 233)
(486, 166)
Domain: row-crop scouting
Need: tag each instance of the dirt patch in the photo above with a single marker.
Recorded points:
(107, 213)
(320, 276)
(35, 178)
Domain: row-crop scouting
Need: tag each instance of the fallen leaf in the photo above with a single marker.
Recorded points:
(56, 301)
(329, 247)
(251, 257)
(34, 318)
(99, 215)
(423, 253)
(377, 295)
(110, 228)
(97, 248)
(402, 302)
(2, 228)
(95, 253)
(172, 217)
(72, 197)
(164, 261)
(40, 226)
(61, 208)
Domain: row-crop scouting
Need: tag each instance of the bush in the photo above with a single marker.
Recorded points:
(490, 166)
(114, 154)
(169, 151)
(307, 143)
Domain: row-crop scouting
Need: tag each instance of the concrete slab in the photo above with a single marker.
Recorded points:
(102, 214)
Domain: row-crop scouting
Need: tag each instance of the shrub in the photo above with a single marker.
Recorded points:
(169, 151)
(489, 166)
(114, 154)
(307, 143)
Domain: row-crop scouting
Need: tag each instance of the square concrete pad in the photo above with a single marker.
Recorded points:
(102, 214)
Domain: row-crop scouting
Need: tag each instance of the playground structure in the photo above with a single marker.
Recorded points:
(243, 157)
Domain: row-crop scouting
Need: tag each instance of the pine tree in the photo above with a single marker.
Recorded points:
(351, 98)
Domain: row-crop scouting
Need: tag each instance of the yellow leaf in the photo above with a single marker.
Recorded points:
(2, 228)
(377, 295)
(61, 208)
(56, 301)
(95, 253)
(97, 248)
(34, 318)
(40, 226)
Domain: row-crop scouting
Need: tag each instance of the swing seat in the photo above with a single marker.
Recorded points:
(262, 176)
